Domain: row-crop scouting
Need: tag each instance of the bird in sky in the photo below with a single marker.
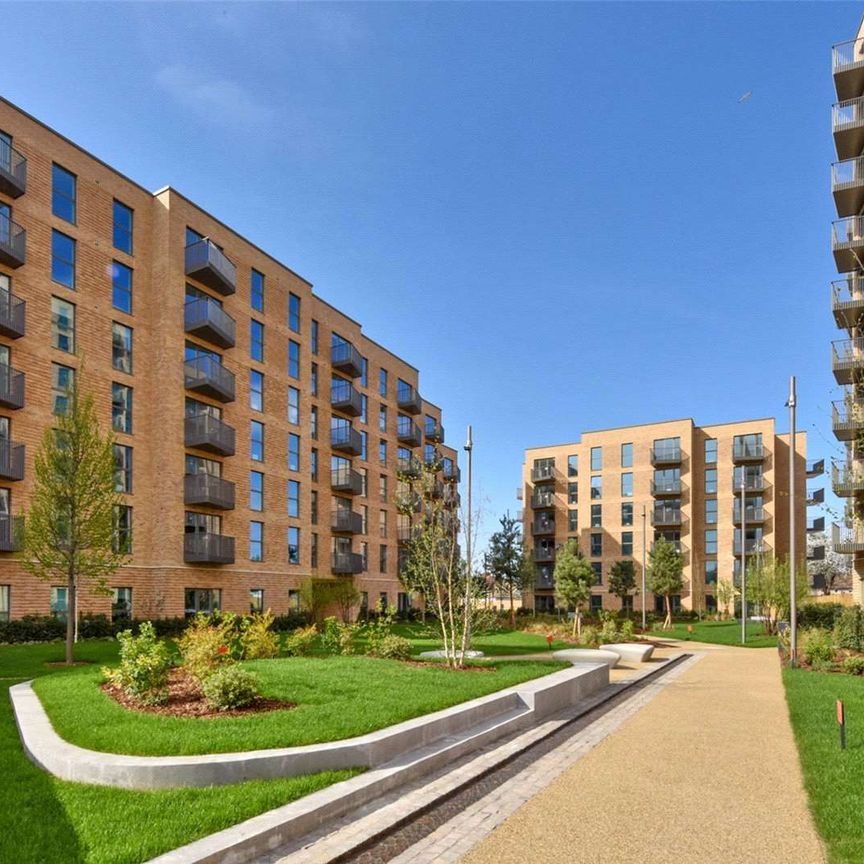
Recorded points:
(745, 97)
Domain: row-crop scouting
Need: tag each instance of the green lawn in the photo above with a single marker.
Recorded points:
(832, 777)
(718, 632)
(337, 697)
(498, 644)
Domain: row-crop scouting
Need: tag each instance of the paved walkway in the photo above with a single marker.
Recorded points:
(699, 768)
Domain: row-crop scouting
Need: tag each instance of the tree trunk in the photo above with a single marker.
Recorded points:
(667, 624)
(71, 607)
(575, 622)
(512, 609)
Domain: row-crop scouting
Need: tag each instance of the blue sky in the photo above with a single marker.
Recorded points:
(560, 213)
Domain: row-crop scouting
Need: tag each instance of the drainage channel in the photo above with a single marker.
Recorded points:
(414, 828)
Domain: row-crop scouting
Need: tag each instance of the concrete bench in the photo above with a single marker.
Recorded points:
(631, 652)
(588, 655)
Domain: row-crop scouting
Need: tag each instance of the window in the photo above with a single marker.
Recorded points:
(710, 450)
(62, 382)
(382, 487)
(596, 603)
(710, 511)
(256, 293)
(710, 572)
(294, 408)
(123, 529)
(256, 340)
(294, 599)
(123, 220)
(206, 600)
(382, 382)
(313, 461)
(627, 485)
(63, 259)
(256, 601)
(313, 422)
(573, 465)
(382, 558)
(313, 550)
(256, 541)
(364, 408)
(572, 493)
(382, 452)
(382, 418)
(667, 449)
(314, 337)
(122, 468)
(364, 372)
(596, 545)
(382, 524)
(597, 567)
(294, 361)
(626, 455)
(294, 453)
(294, 498)
(749, 445)
(627, 514)
(256, 490)
(711, 541)
(294, 313)
(121, 347)
(313, 507)
(313, 380)
(596, 458)
(364, 450)
(364, 519)
(293, 544)
(596, 486)
(62, 325)
(199, 465)
(121, 287)
(572, 520)
(59, 600)
(121, 604)
(256, 390)
(626, 542)
(710, 481)
(121, 408)
(63, 193)
(596, 515)
(256, 441)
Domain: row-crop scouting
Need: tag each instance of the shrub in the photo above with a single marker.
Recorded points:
(337, 637)
(230, 687)
(609, 628)
(301, 641)
(32, 628)
(822, 615)
(590, 636)
(394, 647)
(144, 666)
(849, 629)
(257, 639)
(627, 630)
(818, 648)
(205, 646)
(290, 621)
(485, 620)
(378, 629)
(854, 665)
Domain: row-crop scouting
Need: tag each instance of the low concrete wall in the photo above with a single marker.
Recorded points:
(516, 706)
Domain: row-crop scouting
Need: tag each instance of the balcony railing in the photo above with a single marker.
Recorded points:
(208, 549)
(542, 473)
(846, 479)
(814, 468)
(408, 432)
(346, 440)
(665, 455)
(206, 375)
(847, 301)
(680, 548)
(205, 432)
(847, 243)
(847, 120)
(13, 171)
(752, 515)
(667, 516)
(847, 64)
(752, 483)
(12, 315)
(847, 185)
(814, 496)
(816, 526)
(543, 499)
(848, 540)
(451, 496)
(434, 432)
(666, 487)
(344, 521)
(543, 554)
(209, 265)
(345, 399)
(745, 452)
(347, 359)
(543, 526)
(11, 387)
(408, 399)
(11, 460)
(207, 490)
(544, 583)
(408, 502)
(409, 466)
(346, 563)
(13, 243)
(452, 474)
(346, 480)
(206, 319)
(816, 553)
(10, 532)
(847, 360)
(847, 419)
(756, 546)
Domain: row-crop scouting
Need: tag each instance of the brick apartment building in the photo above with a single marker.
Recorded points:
(259, 431)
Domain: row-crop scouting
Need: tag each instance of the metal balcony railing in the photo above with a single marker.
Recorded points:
(752, 483)
(208, 549)
(205, 432)
(208, 376)
(208, 264)
(13, 243)
(847, 359)
(846, 478)
(408, 399)
(666, 487)
(751, 514)
(344, 398)
(814, 468)
(543, 526)
(13, 171)
(452, 474)
(847, 301)
(743, 451)
(346, 563)
(847, 65)
(667, 454)
(12, 315)
(10, 532)
(544, 554)
(346, 440)
(347, 359)
(848, 539)
(346, 521)
(816, 526)
(544, 583)
(667, 516)
(434, 431)
(11, 387)
(542, 473)
(208, 490)
(847, 419)
(206, 319)
(11, 460)
(543, 498)
(846, 173)
(346, 480)
(408, 432)
(755, 546)
(847, 242)
(408, 502)
(409, 466)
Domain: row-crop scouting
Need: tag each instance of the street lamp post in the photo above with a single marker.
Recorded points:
(792, 404)
(644, 589)
(469, 448)
(743, 558)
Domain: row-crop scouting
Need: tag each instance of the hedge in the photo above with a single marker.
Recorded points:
(822, 615)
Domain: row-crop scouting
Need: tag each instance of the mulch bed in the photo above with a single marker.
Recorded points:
(442, 665)
(185, 699)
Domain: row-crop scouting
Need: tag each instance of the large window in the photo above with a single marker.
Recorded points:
(626, 542)
(121, 604)
(122, 468)
(256, 601)
(596, 545)
(293, 544)
(294, 406)
(572, 493)
(293, 452)
(596, 515)
(121, 287)
(123, 529)
(382, 382)
(123, 221)
(626, 455)
(711, 541)
(62, 382)
(256, 390)
(627, 514)
(63, 193)
(313, 336)
(5, 604)
(62, 325)
(710, 450)
(256, 296)
(62, 259)
(572, 520)
(256, 441)
(294, 313)
(121, 408)
(597, 486)
(710, 511)
(597, 567)
(256, 541)
(596, 458)
(121, 347)
(294, 498)
(710, 481)
(294, 359)
(627, 485)
(256, 340)
(573, 465)
(206, 600)
(256, 490)
(710, 572)
(59, 602)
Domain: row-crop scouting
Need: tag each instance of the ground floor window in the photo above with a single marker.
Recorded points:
(364, 604)
(403, 602)
(660, 604)
(4, 603)
(207, 600)
(627, 604)
(59, 602)
(256, 600)
(710, 602)
(121, 604)
(293, 599)
(596, 603)
(383, 601)
(544, 603)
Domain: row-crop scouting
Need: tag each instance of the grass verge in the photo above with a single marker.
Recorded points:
(718, 633)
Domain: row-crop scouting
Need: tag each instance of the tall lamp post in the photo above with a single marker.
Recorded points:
(743, 558)
(469, 448)
(791, 404)
(644, 588)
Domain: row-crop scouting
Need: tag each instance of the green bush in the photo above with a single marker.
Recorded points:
(818, 648)
(291, 621)
(627, 630)
(230, 687)
(590, 636)
(608, 628)
(301, 641)
(849, 629)
(337, 637)
(144, 666)
(824, 615)
(394, 647)
(378, 629)
(205, 646)
(854, 665)
(257, 639)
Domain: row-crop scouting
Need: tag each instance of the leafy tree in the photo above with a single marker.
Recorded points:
(70, 528)
(573, 579)
(834, 570)
(622, 579)
(768, 588)
(319, 596)
(726, 594)
(505, 561)
(665, 574)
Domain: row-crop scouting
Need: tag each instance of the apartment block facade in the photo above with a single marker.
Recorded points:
(613, 487)
(260, 434)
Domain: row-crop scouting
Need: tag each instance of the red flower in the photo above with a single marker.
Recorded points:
(223, 649)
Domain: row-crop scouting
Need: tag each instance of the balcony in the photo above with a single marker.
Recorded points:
(208, 549)
(816, 553)
(345, 521)
(744, 452)
(677, 545)
(847, 243)
(12, 315)
(205, 432)
(345, 399)
(847, 540)
(346, 440)
(408, 399)
(659, 488)
(846, 479)
(207, 490)
(543, 526)
(544, 582)
(346, 563)
(406, 533)
(816, 526)
(434, 432)
(409, 466)
(847, 185)
(667, 517)
(13, 171)
(206, 319)
(207, 376)
(436, 489)
(542, 498)
(451, 497)
(544, 554)
(847, 64)
(814, 496)
(346, 359)
(408, 502)
(13, 243)
(11, 387)
(752, 515)
(346, 480)
(10, 532)
(408, 433)
(755, 546)
(11, 460)
(208, 264)
(847, 301)
(847, 125)
(751, 483)
(666, 455)
(847, 419)
(543, 474)
(847, 360)
(814, 468)
(452, 474)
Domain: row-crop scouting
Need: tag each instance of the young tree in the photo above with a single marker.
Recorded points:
(622, 579)
(70, 528)
(505, 561)
(573, 578)
(834, 570)
(768, 589)
(665, 574)
(726, 594)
